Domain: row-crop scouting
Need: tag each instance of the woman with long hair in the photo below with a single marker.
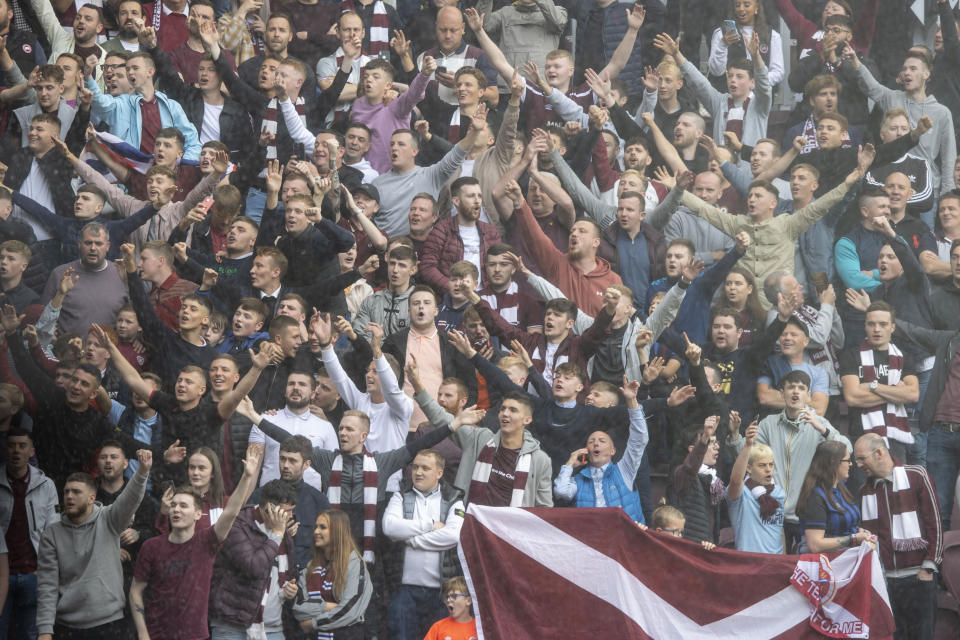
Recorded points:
(740, 292)
(828, 512)
(203, 474)
(729, 40)
(336, 582)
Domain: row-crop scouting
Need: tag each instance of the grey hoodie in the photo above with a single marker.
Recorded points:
(939, 142)
(539, 489)
(389, 310)
(79, 577)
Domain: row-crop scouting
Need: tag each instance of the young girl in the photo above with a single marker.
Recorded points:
(336, 582)
(740, 291)
(730, 45)
(203, 473)
(460, 625)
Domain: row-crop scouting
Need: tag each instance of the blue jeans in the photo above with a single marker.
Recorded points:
(943, 460)
(19, 618)
(412, 611)
(224, 632)
(256, 201)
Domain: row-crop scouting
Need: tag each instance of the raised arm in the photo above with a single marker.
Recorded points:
(739, 471)
(128, 373)
(665, 148)
(580, 194)
(494, 54)
(269, 352)
(251, 468)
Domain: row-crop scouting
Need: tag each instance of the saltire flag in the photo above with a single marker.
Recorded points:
(592, 573)
(123, 153)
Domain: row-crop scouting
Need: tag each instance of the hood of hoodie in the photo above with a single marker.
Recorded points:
(89, 522)
(530, 444)
(602, 270)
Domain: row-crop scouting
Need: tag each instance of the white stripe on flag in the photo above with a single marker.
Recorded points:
(608, 580)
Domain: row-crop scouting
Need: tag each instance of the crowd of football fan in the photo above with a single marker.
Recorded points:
(286, 286)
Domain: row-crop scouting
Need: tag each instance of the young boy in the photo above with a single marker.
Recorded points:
(671, 521)
(696, 488)
(464, 277)
(246, 330)
(383, 118)
(756, 514)
(128, 332)
(460, 625)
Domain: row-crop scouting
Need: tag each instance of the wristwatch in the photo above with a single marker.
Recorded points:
(874, 385)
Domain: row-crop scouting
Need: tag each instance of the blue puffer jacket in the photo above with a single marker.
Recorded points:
(615, 27)
(616, 493)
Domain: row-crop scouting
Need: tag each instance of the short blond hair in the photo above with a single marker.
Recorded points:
(669, 68)
(759, 450)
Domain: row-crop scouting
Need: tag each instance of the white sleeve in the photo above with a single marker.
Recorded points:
(295, 127)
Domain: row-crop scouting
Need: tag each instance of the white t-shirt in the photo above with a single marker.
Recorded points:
(210, 127)
(36, 188)
(548, 362)
(471, 245)
(319, 432)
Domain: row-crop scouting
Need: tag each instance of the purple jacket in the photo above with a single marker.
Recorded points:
(444, 246)
(242, 570)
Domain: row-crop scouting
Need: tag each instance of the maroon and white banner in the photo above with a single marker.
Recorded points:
(592, 573)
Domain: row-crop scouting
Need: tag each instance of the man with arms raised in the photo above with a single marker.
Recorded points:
(178, 567)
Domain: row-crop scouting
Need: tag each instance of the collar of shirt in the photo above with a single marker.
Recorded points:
(436, 490)
(422, 336)
(275, 294)
(169, 282)
(167, 11)
(294, 416)
(569, 404)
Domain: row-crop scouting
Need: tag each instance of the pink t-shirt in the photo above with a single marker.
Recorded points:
(178, 584)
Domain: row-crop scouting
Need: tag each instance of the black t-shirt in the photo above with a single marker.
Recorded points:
(917, 234)
(850, 366)
(197, 427)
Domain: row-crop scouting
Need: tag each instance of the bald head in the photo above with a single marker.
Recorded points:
(899, 191)
(450, 28)
(707, 186)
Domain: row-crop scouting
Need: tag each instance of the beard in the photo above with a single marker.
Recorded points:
(298, 404)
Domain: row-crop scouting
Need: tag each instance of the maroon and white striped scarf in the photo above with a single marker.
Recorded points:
(810, 136)
(888, 420)
(507, 304)
(379, 30)
(764, 495)
(453, 133)
(736, 125)
(369, 497)
(898, 513)
(484, 465)
(270, 115)
(808, 315)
